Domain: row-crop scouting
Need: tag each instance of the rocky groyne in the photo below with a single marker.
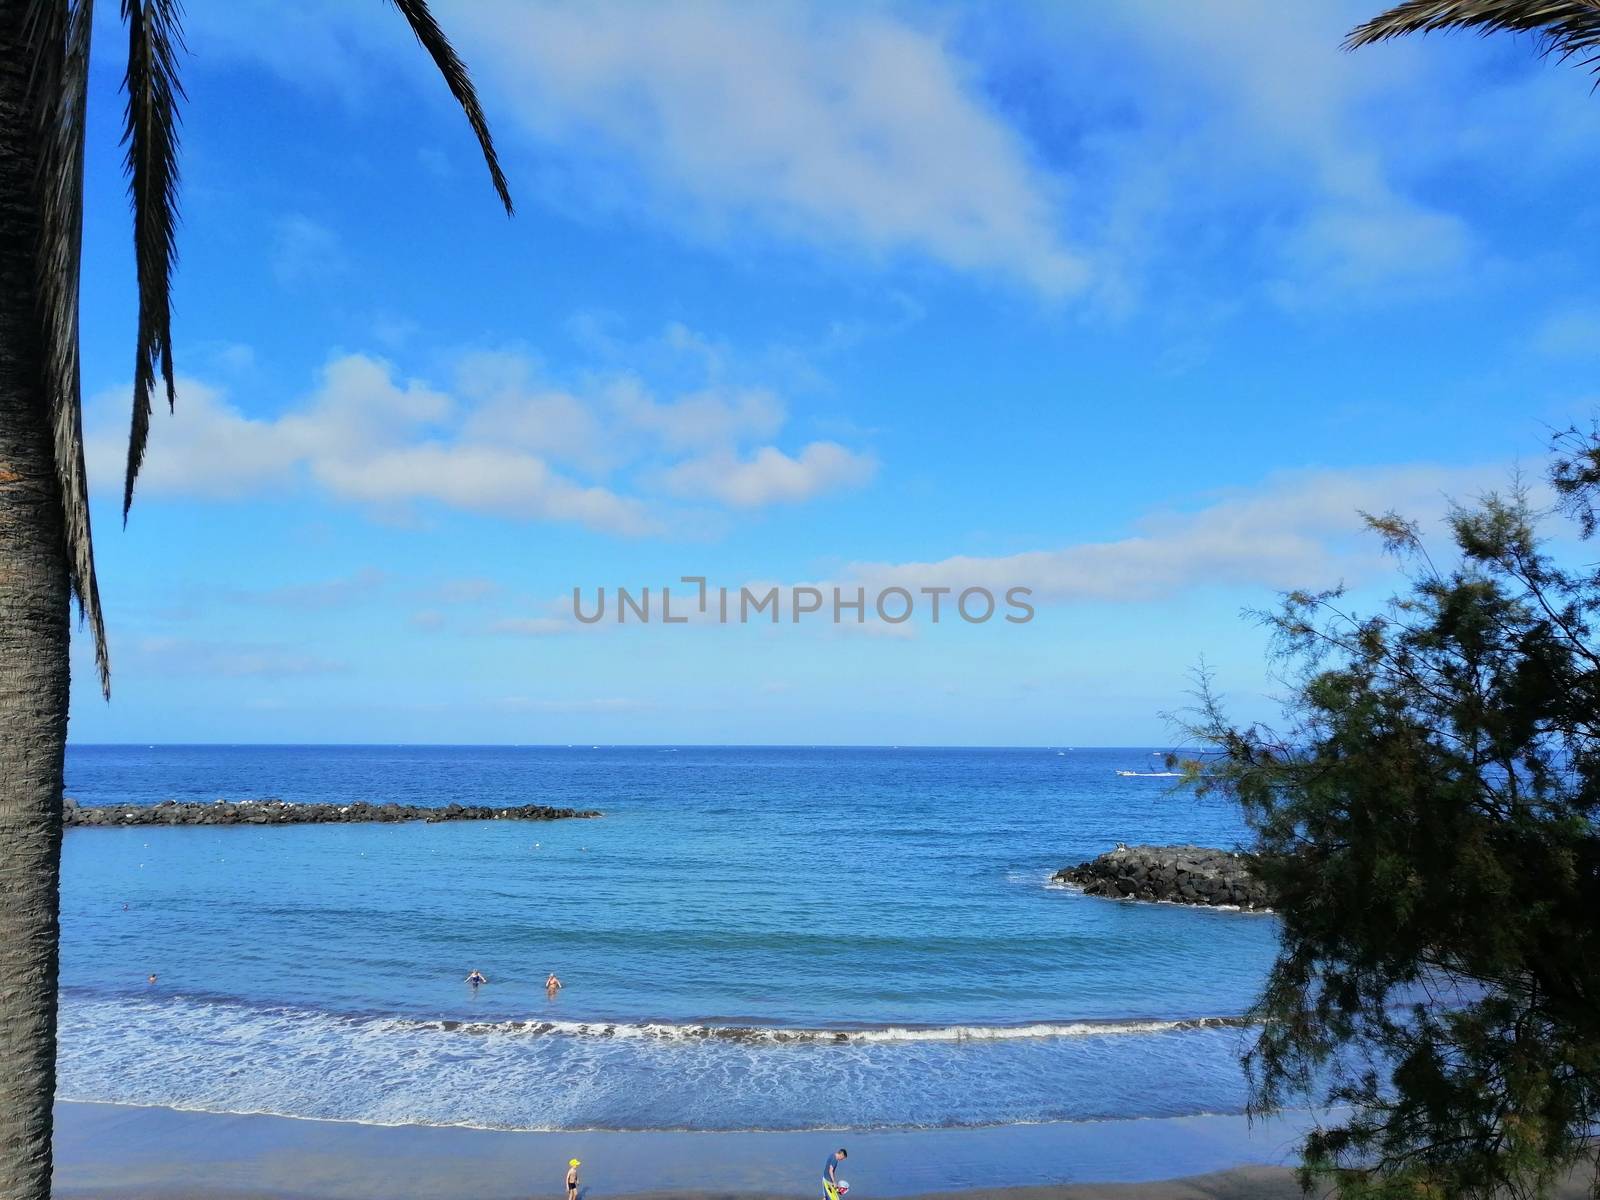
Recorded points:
(1180, 874)
(281, 812)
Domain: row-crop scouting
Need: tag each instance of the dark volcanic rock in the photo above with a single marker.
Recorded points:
(281, 812)
(1182, 874)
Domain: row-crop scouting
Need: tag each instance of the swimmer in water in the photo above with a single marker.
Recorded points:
(152, 977)
(476, 977)
(552, 985)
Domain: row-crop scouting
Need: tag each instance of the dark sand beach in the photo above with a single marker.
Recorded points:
(116, 1152)
(124, 1152)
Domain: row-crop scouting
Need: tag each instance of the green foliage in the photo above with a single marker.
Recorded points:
(1428, 821)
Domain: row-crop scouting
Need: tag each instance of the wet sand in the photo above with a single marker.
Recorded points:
(1243, 1183)
(119, 1152)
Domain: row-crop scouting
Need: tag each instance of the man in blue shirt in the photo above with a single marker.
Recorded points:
(830, 1173)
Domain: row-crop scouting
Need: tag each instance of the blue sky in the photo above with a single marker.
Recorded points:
(1132, 308)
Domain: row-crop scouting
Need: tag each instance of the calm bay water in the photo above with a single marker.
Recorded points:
(751, 938)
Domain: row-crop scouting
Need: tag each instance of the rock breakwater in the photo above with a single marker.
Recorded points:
(1180, 874)
(282, 812)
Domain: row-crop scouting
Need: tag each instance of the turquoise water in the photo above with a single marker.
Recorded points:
(750, 939)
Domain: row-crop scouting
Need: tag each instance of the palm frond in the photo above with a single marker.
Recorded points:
(59, 36)
(459, 82)
(151, 135)
(1565, 28)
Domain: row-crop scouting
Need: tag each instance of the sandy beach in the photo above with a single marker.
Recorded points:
(1243, 1183)
(116, 1152)
(127, 1152)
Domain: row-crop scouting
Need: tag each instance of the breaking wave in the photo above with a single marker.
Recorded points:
(784, 1035)
(228, 1056)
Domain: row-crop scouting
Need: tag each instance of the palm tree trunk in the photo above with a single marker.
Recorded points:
(34, 629)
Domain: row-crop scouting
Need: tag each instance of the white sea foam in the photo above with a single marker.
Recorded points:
(228, 1057)
(786, 1035)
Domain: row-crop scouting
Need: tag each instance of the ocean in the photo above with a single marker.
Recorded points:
(750, 938)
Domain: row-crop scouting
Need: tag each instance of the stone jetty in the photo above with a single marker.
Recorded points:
(1181, 874)
(281, 812)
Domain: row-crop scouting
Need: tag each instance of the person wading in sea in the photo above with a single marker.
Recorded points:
(572, 1173)
(552, 986)
(476, 978)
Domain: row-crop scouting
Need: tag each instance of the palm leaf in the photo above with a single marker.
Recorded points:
(151, 135)
(459, 82)
(1565, 28)
(59, 37)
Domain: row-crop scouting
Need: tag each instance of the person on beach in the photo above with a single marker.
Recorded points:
(476, 978)
(830, 1173)
(572, 1174)
(552, 985)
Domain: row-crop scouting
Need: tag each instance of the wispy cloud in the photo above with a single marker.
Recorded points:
(326, 593)
(995, 143)
(1572, 332)
(840, 127)
(197, 657)
(852, 130)
(1296, 530)
(305, 250)
(536, 626)
(598, 706)
(1300, 529)
(459, 591)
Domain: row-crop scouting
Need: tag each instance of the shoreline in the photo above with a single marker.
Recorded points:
(135, 1152)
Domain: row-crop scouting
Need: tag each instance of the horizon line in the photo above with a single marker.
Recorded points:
(1060, 746)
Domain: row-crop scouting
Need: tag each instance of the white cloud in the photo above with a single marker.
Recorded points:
(185, 656)
(599, 705)
(367, 437)
(1298, 530)
(328, 593)
(841, 127)
(1570, 332)
(705, 418)
(1232, 137)
(1239, 135)
(460, 591)
(303, 249)
(214, 451)
(515, 408)
(536, 626)
(234, 357)
(1363, 248)
(769, 476)
(865, 129)
(484, 479)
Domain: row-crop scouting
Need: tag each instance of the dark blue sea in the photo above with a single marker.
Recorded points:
(750, 938)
